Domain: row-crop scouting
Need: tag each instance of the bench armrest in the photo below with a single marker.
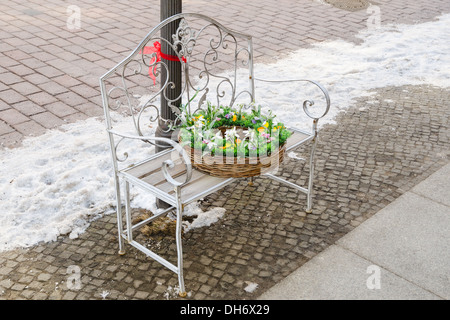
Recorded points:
(167, 163)
(307, 103)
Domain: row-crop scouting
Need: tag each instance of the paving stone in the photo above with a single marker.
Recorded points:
(60, 109)
(47, 120)
(5, 128)
(11, 96)
(42, 98)
(12, 116)
(30, 128)
(10, 79)
(53, 88)
(11, 139)
(7, 62)
(36, 78)
(28, 108)
(66, 81)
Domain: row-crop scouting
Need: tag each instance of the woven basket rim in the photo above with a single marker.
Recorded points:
(243, 167)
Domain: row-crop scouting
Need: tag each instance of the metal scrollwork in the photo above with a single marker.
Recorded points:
(125, 154)
(184, 38)
(307, 104)
(201, 48)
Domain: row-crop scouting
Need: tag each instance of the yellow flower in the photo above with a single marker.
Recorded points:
(227, 145)
(234, 118)
(266, 124)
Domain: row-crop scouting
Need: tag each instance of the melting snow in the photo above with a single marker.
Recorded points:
(251, 286)
(55, 184)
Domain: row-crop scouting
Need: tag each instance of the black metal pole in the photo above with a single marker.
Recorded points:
(168, 8)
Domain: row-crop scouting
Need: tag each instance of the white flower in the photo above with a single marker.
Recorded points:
(199, 124)
(218, 135)
(211, 145)
(251, 134)
(197, 133)
(231, 134)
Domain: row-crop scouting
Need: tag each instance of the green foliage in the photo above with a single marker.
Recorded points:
(229, 130)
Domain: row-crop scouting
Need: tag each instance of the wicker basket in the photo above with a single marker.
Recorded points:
(240, 168)
(243, 167)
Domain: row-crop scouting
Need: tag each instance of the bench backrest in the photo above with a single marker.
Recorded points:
(216, 65)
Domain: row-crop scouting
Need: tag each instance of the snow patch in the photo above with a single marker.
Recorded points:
(251, 286)
(294, 155)
(59, 182)
(174, 292)
(392, 55)
(204, 218)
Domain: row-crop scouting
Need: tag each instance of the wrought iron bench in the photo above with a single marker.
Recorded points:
(131, 102)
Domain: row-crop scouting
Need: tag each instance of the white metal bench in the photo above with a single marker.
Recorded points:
(129, 92)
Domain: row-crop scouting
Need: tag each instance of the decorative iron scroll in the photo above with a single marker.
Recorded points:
(204, 48)
(215, 60)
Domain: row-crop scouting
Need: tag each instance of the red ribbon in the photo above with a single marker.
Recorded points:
(157, 49)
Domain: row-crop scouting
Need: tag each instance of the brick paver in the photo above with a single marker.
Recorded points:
(49, 76)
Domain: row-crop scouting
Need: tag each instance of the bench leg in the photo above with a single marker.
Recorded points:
(182, 292)
(119, 217)
(128, 212)
(311, 177)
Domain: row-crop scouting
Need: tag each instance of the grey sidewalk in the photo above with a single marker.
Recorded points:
(402, 252)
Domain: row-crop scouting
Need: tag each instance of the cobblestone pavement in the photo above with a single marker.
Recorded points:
(378, 150)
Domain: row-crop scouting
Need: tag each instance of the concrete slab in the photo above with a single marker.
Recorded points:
(337, 273)
(437, 186)
(411, 238)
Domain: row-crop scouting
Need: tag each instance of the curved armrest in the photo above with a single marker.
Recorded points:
(167, 163)
(307, 103)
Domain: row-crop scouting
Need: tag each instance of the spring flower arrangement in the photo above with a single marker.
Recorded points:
(227, 131)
